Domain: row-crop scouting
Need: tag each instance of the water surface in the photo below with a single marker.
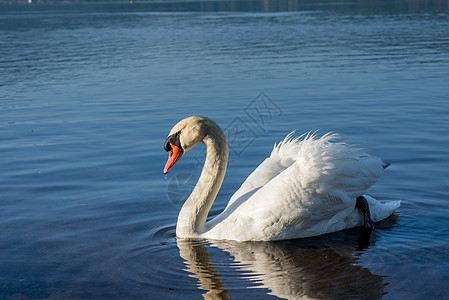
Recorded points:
(89, 91)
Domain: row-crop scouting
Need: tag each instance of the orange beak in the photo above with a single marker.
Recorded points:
(173, 156)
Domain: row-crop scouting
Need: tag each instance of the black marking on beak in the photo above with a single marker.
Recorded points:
(174, 140)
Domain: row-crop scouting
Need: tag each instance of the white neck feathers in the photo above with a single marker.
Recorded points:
(193, 214)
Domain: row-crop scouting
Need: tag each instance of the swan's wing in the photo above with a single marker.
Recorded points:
(282, 157)
(315, 194)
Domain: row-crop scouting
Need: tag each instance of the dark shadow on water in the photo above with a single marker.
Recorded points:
(324, 267)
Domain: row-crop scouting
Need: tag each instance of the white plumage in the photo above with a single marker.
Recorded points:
(307, 187)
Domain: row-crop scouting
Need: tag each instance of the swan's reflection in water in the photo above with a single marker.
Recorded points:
(321, 268)
(199, 264)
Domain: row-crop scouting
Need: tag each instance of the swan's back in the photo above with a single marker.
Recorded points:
(306, 187)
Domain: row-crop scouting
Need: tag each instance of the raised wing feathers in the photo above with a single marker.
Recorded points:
(305, 184)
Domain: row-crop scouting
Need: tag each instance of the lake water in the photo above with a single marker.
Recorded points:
(90, 91)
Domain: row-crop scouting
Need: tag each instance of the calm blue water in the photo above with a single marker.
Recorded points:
(89, 93)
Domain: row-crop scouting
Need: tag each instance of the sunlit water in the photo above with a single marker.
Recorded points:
(90, 91)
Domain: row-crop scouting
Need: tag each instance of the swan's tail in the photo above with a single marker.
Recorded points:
(385, 164)
(381, 210)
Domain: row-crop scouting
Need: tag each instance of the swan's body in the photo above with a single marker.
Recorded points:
(305, 188)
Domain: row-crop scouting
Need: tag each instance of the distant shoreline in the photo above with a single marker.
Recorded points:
(59, 1)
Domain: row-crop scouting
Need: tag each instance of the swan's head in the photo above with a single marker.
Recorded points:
(184, 136)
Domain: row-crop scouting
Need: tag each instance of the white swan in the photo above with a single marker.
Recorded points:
(305, 188)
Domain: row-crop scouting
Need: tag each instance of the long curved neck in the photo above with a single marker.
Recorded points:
(193, 214)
